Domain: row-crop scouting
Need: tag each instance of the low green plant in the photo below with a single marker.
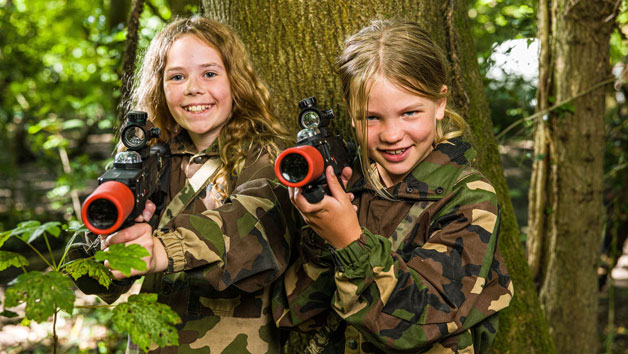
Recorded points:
(45, 293)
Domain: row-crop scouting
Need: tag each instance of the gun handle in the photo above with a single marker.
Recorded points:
(314, 194)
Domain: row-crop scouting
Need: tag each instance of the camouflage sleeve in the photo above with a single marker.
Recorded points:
(302, 296)
(423, 293)
(246, 242)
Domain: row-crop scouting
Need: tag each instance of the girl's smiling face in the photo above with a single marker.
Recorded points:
(401, 127)
(197, 89)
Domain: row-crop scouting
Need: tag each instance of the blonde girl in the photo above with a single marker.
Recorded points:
(417, 268)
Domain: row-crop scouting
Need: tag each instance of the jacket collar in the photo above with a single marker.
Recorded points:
(434, 177)
(182, 144)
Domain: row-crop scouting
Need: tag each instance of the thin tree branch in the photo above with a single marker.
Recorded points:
(130, 53)
(547, 110)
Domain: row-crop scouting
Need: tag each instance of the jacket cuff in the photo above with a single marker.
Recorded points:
(173, 244)
(356, 253)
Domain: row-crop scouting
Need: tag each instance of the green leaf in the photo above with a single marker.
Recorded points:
(4, 236)
(147, 320)
(123, 258)
(8, 314)
(73, 124)
(42, 293)
(11, 259)
(96, 270)
(75, 227)
(30, 230)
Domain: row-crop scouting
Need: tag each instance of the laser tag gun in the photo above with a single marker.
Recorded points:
(135, 177)
(304, 165)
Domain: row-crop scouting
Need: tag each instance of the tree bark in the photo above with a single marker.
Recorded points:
(566, 211)
(294, 46)
(130, 54)
(118, 10)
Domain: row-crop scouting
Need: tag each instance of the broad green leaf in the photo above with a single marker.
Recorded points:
(96, 270)
(123, 258)
(4, 236)
(147, 320)
(52, 227)
(75, 227)
(25, 227)
(29, 231)
(41, 292)
(8, 314)
(11, 259)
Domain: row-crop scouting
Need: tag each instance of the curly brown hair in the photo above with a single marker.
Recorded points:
(251, 119)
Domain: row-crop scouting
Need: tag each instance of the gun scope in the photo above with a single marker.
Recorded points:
(134, 135)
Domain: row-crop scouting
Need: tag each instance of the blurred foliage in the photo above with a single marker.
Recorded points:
(496, 23)
(60, 63)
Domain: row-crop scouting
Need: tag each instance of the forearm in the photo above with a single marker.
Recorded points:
(246, 241)
(406, 302)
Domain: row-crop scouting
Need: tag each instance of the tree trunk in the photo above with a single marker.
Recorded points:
(130, 54)
(566, 211)
(118, 11)
(294, 45)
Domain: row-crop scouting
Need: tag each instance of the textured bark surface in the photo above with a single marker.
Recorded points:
(566, 211)
(130, 53)
(294, 45)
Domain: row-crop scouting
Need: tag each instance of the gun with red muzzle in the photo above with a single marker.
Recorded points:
(304, 165)
(135, 177)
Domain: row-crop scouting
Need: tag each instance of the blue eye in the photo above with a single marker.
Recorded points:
(410, 113)
(176, 77)
(210, 74)
(372, 118)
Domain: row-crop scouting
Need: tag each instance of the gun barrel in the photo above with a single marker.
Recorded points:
(105, 210)
(299, 165)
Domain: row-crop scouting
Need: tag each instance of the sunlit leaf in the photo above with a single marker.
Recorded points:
(73, 124)
(123, 258)
(42, 293)
(31, 230)
(147, 320)
(51, 227)
(4, 236)
(11, 259)
(75, 226)
(95, 270)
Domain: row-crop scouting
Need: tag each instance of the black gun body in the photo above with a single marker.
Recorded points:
(104, 208)
(143, 182)
(335, 153)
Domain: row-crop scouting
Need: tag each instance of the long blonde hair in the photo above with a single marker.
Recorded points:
(402, 52)
(251, 119)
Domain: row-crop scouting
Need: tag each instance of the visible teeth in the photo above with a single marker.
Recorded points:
(396, 152)
(196, 108)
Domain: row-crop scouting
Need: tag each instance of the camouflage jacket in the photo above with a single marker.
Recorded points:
(425, 276)
(222, 261)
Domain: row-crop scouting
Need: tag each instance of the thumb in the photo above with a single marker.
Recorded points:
(345, 176)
